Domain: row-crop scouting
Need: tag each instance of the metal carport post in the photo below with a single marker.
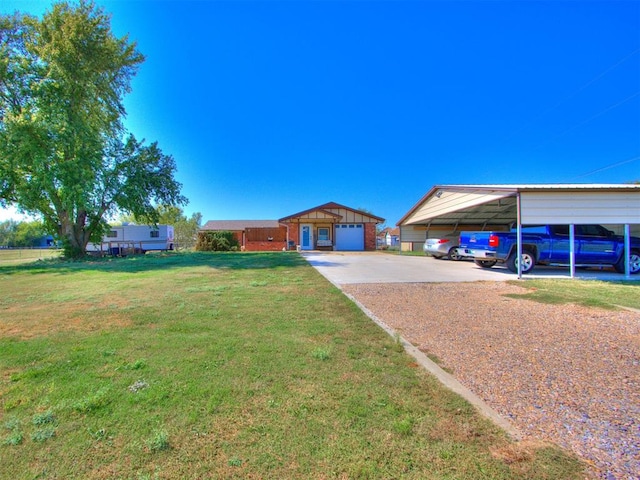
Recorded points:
(627, 251)
(518, 235)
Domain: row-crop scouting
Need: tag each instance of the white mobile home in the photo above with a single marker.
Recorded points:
(134, 239)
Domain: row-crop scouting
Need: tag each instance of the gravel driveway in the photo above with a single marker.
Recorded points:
(564, 373)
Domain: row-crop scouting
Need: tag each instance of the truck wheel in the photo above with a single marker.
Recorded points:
(634, 263)
(528, 262)
(453, 254)
(485, 263)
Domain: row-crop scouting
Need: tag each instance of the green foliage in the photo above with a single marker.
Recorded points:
(321, 353)
(593, 293)
(43, 434)
(14, 438)
(44, 418)
(21, 234)
(159, 441)
(64, 153)
(219, 241)
(185, 229)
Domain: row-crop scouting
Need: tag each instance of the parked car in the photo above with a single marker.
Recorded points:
(443, 247)
(594, 246)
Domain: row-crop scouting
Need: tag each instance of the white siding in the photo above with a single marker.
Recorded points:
(410, 233)
(452, 201)
(138, 236)
(580, 207)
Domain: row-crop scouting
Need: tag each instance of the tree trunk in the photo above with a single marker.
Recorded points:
(74, 236)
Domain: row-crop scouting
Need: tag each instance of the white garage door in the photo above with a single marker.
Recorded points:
(349, 236)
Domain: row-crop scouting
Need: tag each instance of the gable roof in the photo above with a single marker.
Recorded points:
(235, 225)
(328, 211)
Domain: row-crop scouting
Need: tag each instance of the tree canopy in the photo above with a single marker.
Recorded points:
(64, 152)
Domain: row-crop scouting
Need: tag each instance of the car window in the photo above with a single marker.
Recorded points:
(560, 229)
(591, 230)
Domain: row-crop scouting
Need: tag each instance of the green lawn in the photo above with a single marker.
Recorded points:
(245, 365)
(26, 255)
(594, 293)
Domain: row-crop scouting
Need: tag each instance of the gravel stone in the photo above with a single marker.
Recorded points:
(563, 373)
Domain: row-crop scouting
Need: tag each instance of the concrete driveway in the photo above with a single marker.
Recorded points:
(343, 268)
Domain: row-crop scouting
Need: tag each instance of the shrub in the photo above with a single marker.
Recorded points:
(219, 241)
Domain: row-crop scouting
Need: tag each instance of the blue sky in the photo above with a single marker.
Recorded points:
(273, 107)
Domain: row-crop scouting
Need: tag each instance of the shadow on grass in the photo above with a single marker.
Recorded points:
(163, 261)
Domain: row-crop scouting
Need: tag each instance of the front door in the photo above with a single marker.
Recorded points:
(306, 237)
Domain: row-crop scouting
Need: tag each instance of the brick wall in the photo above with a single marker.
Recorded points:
(369, 236)
(294, 233)
(264, 246)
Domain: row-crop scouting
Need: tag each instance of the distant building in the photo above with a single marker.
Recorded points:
(389, 237)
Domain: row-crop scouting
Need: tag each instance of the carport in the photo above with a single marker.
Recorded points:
(454, 208)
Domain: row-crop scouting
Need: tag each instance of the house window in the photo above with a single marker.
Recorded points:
(323, 233)
(112, 234)
(155, 233)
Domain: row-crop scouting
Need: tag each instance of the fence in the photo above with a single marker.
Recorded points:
(10, 256)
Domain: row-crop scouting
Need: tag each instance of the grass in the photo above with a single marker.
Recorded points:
(245, 365)
(26, 255)
(592, 293)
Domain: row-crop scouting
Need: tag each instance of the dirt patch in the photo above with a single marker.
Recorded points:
(37, 320)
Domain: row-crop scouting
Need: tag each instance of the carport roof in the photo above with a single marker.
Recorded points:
(472, 204)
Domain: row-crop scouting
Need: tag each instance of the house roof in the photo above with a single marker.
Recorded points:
(390, 231)
(325, 211)
(235, 225)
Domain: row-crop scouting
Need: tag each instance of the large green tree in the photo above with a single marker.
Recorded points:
(64, 152)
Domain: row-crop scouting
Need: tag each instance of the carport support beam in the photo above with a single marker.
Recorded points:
(572, 250)
(518, 236)
(627, 251)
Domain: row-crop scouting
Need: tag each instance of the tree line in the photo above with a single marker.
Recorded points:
(15, 234)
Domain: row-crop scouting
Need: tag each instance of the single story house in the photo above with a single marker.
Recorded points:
(330, 226)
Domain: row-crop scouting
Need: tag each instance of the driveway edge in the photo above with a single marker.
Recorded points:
(445, 378)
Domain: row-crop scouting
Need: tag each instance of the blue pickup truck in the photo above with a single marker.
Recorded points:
(594, 246)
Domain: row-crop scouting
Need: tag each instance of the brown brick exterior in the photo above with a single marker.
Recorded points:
(237, 234)
(264, 246)
(294, 233)
(369, 236)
